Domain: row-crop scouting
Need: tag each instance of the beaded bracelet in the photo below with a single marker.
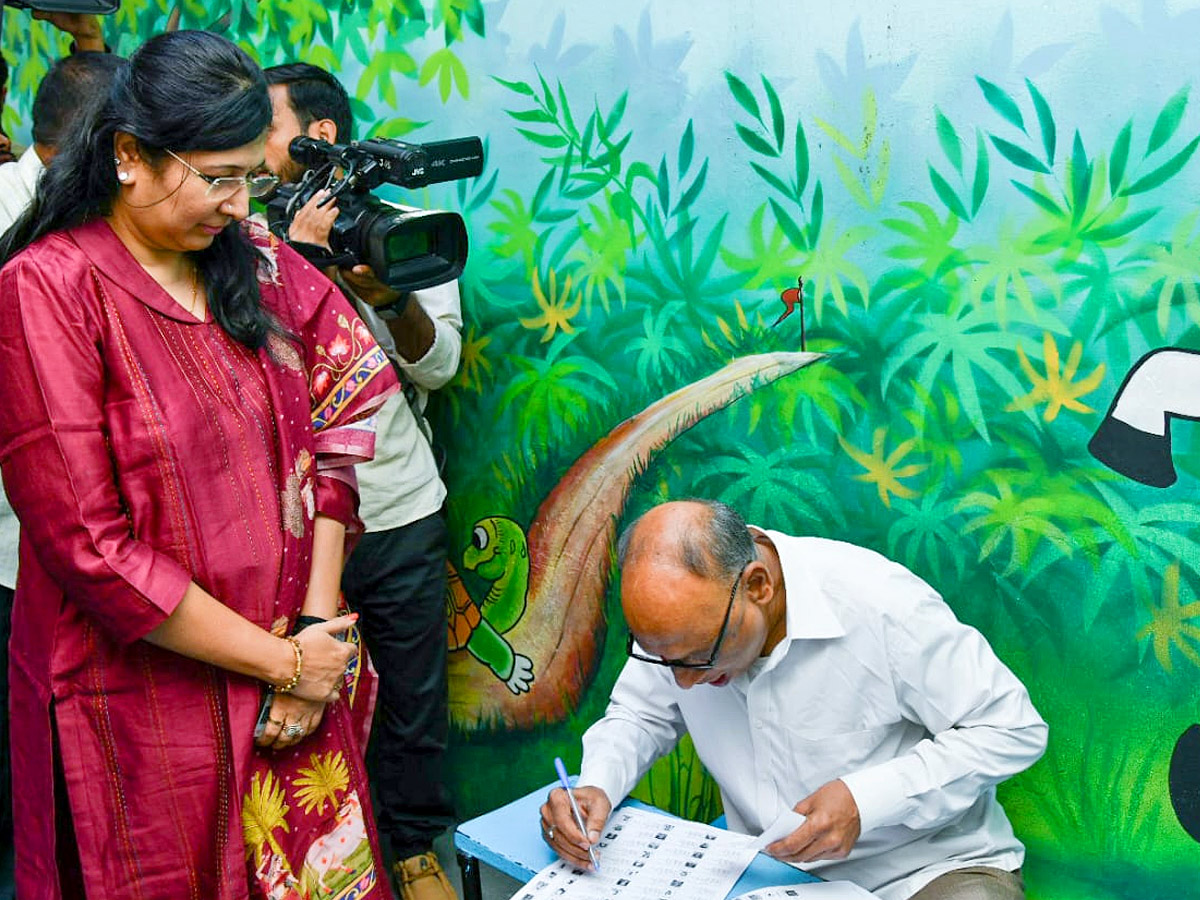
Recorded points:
(295, 679)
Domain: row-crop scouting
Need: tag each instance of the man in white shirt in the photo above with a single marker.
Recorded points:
(396, 576)
(819, 677)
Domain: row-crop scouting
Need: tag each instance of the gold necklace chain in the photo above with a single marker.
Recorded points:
(195, 292)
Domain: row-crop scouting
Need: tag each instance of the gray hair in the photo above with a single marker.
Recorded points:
(718, 546)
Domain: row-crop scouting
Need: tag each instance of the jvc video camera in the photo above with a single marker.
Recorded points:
(98, 7)
(408, 249)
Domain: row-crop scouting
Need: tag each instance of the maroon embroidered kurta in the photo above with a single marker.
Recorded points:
(143, 449)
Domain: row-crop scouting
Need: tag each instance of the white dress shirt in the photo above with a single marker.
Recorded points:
(401, 484)
(875, 683)
(18, 181)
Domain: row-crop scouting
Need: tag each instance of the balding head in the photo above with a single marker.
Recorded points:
(672, 549)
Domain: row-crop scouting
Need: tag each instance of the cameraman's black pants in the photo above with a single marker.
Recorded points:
(396, 581)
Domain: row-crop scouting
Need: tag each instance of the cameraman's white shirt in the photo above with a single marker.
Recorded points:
(401, 484)
(875, 683)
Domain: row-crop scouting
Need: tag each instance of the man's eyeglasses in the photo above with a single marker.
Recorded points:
(225, 186)
(712, 657)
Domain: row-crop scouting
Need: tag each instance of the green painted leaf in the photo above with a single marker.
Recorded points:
(816, 215)
(615, 115)
(539, 116)
(589, 132)
(637, 170)
(1168, 120)
(946, 194)
(948, 138)
(664, 187)
(519, 87)
(772, 179)
(801, 160)
(756, 142)
(611, 157)
(475, 18)
(980, 185)
(1122, 226)
(481, 197)
(793, 231)
(543, 192)
(568, 121)
(621, 206)
(708, 253)
(1001, 102)
(850, 181)
(1040, 199)
(1165, 172)
(743, 95)
(1045, 122)
(687, 145)
(1120, 158)
(857, 149)
(396, 127)
(582, 193)
(1019, 156)
(548, 96)
(554, 141)
(690, 195)
(361, 110)
(1081, 178)
(777, 121)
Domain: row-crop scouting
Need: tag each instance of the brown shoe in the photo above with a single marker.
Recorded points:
(422, 878)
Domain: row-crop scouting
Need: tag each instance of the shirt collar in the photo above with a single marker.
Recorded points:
(113, 261)
(810, 614)
(30, 165)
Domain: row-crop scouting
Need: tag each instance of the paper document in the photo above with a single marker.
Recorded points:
(781, 827)
(648, 856)
(817, 890)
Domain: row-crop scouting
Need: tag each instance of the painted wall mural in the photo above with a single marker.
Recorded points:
(870, 271)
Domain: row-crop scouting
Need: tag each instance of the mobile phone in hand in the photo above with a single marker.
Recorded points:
(264, 713)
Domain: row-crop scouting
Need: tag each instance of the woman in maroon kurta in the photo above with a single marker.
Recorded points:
(185, 400)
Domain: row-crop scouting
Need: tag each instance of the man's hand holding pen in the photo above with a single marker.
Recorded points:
(558, 823)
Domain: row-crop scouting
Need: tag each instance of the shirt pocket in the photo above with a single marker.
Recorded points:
(822, 755)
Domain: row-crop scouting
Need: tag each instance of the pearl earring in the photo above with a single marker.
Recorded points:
(122, 176)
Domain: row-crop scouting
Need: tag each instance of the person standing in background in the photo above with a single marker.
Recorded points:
(396, 576)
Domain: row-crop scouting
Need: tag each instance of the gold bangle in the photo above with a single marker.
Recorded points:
(290, 686)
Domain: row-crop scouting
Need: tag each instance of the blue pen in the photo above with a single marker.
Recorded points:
(566, 783)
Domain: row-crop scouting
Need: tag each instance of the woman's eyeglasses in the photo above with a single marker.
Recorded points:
(712, 657)
(225, 186)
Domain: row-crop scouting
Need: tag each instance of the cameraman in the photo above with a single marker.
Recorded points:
(396, 576)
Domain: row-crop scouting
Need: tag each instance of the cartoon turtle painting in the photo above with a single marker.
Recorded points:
(497, 552)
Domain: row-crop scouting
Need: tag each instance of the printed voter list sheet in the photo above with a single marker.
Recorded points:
(821, 890)
(649, 856)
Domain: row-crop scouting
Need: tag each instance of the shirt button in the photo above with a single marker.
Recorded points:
(758, 723)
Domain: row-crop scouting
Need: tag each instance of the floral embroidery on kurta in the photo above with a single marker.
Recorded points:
(296, 499)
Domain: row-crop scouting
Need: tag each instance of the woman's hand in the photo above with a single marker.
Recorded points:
(290, 721)
(325, 660)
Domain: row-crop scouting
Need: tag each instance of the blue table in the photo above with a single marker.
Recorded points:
(510, 840)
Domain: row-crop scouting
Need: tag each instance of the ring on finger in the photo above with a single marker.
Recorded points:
(550, 833)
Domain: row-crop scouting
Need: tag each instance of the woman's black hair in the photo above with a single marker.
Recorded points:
(183, 90)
